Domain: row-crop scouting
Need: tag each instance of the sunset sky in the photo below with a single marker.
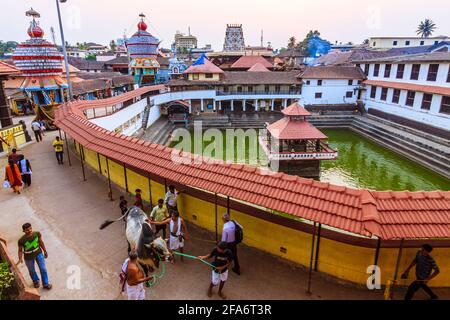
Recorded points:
(343, 21)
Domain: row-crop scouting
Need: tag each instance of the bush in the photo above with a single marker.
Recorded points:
(6, 278)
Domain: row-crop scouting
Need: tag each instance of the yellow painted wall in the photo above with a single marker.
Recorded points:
(344, 261)
(202, 77)
(14, 135)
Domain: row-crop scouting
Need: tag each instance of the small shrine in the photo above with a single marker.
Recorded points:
(295, 146)
(143, 50)
(40, 64)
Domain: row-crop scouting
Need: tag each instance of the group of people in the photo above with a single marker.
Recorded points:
(166, 213)
(18, 171)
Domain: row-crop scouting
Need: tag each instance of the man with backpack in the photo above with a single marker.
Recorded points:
(232, 234)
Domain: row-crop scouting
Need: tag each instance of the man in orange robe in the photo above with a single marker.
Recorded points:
(13, 176)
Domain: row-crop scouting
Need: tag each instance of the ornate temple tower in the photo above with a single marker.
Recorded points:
(40, 64)
(143, 50)
(234, 38)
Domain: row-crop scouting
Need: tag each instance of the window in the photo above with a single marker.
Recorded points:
(318, 95)
(432, 72)
(366, 69)
(448, 75)
(250, 89)
(319, 82)
(374, 44)
(239, 89)
(445, 105)
(376, 70)
(400, 71)
(349, 94)
(436, 42)
(415, 72)
(422, 43)
(208, 75)
(426, 101)
(225, 89)
(373, 92)
(277, 88)
(387, 70)
(308, 82)
(384, 92)
(195, 76)
(396, 96)
(394, 43)
(350, 82)
(267, 88)
(410, 98)
(407, 43)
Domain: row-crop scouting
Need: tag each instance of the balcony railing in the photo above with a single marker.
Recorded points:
(258, 92)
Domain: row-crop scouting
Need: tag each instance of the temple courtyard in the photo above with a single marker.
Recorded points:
(68, 212)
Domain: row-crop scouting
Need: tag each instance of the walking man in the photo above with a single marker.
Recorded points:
(58, 144)
(171, 198)
(25, 169)
(13, 176)
(159, 214)
(36, 127)
(424, 263)
(229, 237)
(222, 260)
(177, 229)
(134, 277)
(33, 249)
(14, 156)
(138, 199)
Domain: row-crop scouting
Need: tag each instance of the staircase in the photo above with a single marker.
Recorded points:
(431, 151)
(159, 131)
(145, 117)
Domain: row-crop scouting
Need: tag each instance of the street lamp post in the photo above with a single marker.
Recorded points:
(66, 62)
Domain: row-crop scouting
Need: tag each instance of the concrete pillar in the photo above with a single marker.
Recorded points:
(220, 105)
(284, 103)
(256, 105)
(190, 106)
(232, 105)
(214, 105)
(244, 103)
(272, 108)
(202, 107)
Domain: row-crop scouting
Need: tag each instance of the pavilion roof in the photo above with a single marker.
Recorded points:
(296, 109)
(246, 62)
(7, 69)
(258, 67)
(288, 129)
(203, 65)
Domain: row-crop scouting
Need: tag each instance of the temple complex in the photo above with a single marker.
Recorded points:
(40, 64)
(143, 50)
(234, 38)
(295, 146)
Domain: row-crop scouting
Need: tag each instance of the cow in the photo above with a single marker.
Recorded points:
(140, 236)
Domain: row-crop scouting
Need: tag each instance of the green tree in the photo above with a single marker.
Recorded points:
(303, 45)
(426, 28)
(91, 57)
(113, 46)
(7, 47)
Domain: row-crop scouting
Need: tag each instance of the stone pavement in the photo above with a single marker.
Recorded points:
(68, 211)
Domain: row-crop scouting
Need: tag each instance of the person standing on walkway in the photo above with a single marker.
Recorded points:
(25, 170)
(36, 127)
(13, 176)
(424, 263)
(138, 199)
(222, 260)
(134, 277)
(177, 229)
(123, 205)
(171, 198)
(58, 144)
(159, 214)
(229, 237)
(32, 248)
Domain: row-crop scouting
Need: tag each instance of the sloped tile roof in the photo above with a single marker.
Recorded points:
(286, 129)
(7, 69)
(246, 62)
(389, 215)
(258, 67)
(332, 72)
(296, 109)
(206, 67)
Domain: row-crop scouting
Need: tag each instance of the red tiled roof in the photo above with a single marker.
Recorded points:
(296, 109)
(246, 62)
(207, 67)
(332, 72)
(410, 86)
(389, 215)
(6, 69)
(287, 129)
(258, 67)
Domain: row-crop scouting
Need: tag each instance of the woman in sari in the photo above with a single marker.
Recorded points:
(13, 176)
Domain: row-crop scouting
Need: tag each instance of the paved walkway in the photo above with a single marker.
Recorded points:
(68, 212)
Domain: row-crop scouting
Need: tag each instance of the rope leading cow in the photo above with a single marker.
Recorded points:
(140, 236)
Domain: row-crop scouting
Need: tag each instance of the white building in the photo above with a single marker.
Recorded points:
(331, 85)
(414, 87)
(76, 53)
(400, 42)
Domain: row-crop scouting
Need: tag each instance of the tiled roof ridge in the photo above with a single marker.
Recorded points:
(362, 212)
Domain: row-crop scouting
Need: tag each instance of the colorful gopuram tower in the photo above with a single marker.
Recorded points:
(40, 64)
(143, 50)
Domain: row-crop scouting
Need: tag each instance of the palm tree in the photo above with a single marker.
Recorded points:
(426, 28)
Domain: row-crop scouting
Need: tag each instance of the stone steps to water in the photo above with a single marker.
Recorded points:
(417, 141)
(405, 150)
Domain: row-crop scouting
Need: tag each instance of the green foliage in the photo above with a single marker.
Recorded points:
(7, 47)
(91, 57)
(113, 46)
(6, 277)
(426, 28)
(303, 45)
